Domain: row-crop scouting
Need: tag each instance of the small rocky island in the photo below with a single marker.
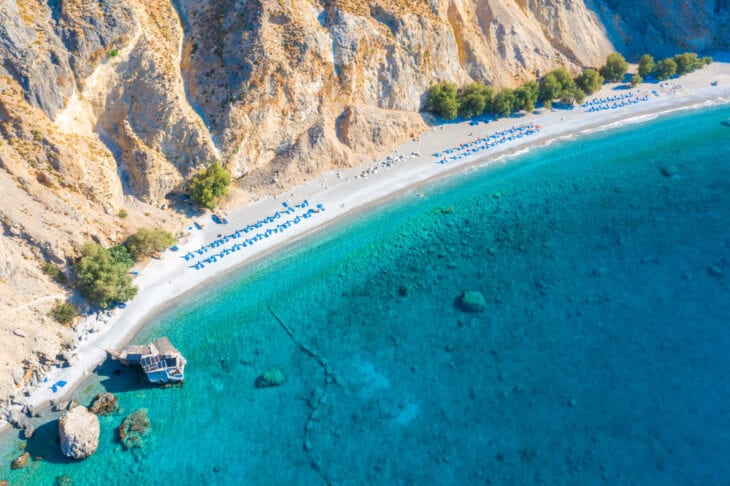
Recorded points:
(160, 360)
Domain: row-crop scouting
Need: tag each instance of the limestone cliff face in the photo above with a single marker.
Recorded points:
(665, 26)
(112, 105)
(272, 76)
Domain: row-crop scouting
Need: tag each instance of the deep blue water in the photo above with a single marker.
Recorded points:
(601, 358)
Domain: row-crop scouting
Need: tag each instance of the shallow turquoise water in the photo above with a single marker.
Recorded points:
(602, 355)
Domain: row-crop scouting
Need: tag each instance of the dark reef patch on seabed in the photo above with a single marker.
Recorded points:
(601, 356)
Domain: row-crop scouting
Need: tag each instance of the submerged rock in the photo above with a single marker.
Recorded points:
(134, 428)
(104, 404)
(669, 171)
(272, 377)
(472, 301)
(64, 480)
(21, 461)
(79, 431)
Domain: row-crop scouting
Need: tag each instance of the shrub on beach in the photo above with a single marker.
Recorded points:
(589, 81)
(102, 280)
(646, 65)
(573, 96)
(64, 312)
(615, 68)
(550, 87)
(527, 95)
(209, 185)
(146, 242)
(475, 99)
(666, 68)
(636, 80)
(442, 100)
(504, 102)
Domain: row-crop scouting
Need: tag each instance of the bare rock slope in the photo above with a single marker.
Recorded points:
(111, 106)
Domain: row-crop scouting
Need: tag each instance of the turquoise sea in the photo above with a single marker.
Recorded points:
(602, 357)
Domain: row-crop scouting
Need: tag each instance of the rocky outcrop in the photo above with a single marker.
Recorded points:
(21, 461)
(269, 378)
(79, 431)
(103, 404)
(472, 301)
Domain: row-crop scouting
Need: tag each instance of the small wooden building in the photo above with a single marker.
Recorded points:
(160, 360)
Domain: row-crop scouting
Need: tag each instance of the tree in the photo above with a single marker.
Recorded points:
(636, 80)
(120, 254)
(64, 312)
(572, 96)
(686, 63)
(527, 95)
(646, 65)
(504, 102)
(615, 68)
(706, 61)
(146, 242)
(589, 81)
(666, 68)
(550, 88)
(564, 78)
(443, 101)
(101, 280)
(209, 185)
(474, 99)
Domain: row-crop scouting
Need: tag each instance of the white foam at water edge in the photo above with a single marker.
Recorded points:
(626, 121)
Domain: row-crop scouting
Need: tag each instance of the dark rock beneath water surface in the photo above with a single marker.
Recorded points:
(134, 428)
(669, 171)
(21, 461)
(104, 404)
(64, 480)
(272, 377)
(472, 301)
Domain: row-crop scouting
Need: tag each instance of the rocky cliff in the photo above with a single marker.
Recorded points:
(111, 106)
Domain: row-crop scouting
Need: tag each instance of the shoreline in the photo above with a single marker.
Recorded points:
(345, 194)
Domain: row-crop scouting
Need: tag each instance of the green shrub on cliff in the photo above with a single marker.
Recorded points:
(102, 280)
(146, 242)
(64, 312)
(54, 272)
(209, 185)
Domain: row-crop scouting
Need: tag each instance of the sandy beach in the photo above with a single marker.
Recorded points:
(256, 230)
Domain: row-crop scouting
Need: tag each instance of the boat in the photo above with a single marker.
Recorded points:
(160, 360)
